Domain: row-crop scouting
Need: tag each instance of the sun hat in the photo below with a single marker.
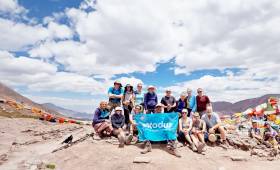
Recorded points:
(151, 87)
(185, 111)
(212, 138)
(196, 114)
(118, 109)
(117, 82)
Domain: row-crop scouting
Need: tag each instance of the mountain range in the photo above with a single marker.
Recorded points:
(220, 106)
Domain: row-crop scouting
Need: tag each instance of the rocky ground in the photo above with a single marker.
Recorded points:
(34, 144)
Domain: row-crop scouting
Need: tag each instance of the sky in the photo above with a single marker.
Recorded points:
(69, 52)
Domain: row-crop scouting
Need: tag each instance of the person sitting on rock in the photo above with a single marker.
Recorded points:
(198, 131)
(213, 123)
(171, 144)
(118, 121)
(185, 126)
(255, 131)
(101, 122)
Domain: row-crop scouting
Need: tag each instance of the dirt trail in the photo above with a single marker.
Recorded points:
(28, 143)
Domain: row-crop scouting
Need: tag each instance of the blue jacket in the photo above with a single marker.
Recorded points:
(150, 100)
(100, 115)
(181, 105)
(191, 103)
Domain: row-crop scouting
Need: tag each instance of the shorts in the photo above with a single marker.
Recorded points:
(103, 126)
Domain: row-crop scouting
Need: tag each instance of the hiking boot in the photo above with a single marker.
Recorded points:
(121, 140)
(193, 147)
(129, 139)
(200, 147)
(174, 152)
(148, 148)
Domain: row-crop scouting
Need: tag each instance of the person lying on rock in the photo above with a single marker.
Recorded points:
(213, 123)
(185, 126)
(197, 132)
(118, 121)
(255, 131)
(101, 122)
(171, 144)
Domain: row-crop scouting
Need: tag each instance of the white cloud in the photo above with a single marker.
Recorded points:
(247, 84)
(11, 6)
(132, 36)
(15, 36)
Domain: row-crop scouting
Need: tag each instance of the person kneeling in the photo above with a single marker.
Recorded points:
(197, 134)
(118, 121)
(101, 122)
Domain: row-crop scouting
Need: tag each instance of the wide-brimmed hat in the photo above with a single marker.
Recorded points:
(185, 111)
(168, 90)
(118, 109)
(212, 137)
(117, 82)
(196, 114)
(128, 85)
(151, 87)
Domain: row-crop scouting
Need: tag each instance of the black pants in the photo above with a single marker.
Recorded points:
(127, 111)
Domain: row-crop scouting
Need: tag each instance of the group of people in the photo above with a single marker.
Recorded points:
(197, 124)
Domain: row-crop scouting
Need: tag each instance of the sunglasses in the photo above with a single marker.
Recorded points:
(199, 91)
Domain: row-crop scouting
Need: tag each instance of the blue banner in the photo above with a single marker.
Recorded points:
(157, 127)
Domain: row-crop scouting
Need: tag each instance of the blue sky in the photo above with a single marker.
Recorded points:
(69, 52)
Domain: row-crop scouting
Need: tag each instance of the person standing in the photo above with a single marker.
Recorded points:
(202, 101)
(169, 102)
(150, 100)
(181, 104)
(190, 103)
(139, 95)
(115, 94)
